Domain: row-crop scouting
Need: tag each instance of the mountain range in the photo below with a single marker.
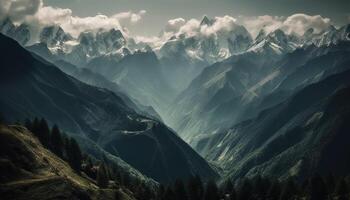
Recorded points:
(97, 116)
(231, 104)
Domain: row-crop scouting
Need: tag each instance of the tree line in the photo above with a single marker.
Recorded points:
(259, 188)
(109, 175)
(57, 142)
(105, 173)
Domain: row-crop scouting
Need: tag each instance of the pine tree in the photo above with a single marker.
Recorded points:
(261, 186)
(145, 192)
(56, 141)
(211, 191)
(195, 188)
(118, 195)
(35, 126)
(318, 189)
(74, 155)
(289, 190)
(229, 191)
(126, 179)
(43, 133)
(228, 187)
(2, 119)
(275, 190)
(342, 190)
(245, 191)
(102, 178)
(180, 191)
(160, 192)
(330, 182)
(169, 194)
(28, 124)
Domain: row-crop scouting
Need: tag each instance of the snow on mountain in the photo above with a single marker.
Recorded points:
(276, 42)
(20, 33)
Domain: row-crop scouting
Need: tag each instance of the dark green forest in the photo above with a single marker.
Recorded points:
(107, 175)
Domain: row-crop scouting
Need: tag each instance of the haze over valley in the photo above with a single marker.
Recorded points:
(127, 105)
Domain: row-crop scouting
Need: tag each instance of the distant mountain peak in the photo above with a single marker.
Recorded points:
(207, 21)
(261, 35)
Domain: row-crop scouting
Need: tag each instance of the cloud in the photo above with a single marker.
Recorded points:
(221, 24)
(174, 25)
(193, 27)
(75, 25)
(297, 23)
(18, 9)
(266, 22)
(126, 17)
(37, 15)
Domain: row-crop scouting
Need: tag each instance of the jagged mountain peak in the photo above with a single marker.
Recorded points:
(54, 36)
(261, 35)
(206, 21)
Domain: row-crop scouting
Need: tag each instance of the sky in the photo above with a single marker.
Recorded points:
(158, 12)
(155, 21)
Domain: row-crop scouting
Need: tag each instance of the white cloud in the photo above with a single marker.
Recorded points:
(221, 24)
(297, 23)
(174, 25)
(18, 9)
(74, 25)
(192, 27)
(127, 17)
(266, 22)
(38, 15)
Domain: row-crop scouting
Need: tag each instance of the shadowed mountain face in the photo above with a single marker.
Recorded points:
(276, 105)
(139, 75)
(94, 115)
(240, 87)
(304, 134)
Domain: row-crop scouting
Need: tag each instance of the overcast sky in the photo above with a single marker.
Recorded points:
(158, 12)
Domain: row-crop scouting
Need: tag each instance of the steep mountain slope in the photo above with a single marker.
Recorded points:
(29, 171)
(139, 75)
(242, 86)
(91, 78)
(183, 56)
(20, 33)
(95, 116)
(212, 98)
(302, 135)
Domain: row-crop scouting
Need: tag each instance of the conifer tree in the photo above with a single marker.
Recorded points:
(56, 141)
(318, 189)
(211, 191)
(43, 133)
(342, 190)
(229, 191)
(245, 191)
(275, 190)
(289, 190)
(228, 187)
(179, 190)
(169, 194)
(102, 178)
(74, 155)
(28, 124)
(195, 188)
(160, 192)
(330, 182)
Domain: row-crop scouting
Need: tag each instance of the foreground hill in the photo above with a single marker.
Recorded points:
(95, 116)
(29, 171)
